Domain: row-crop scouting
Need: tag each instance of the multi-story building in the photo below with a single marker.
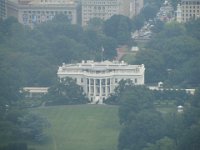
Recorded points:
(32, 12)
(2, 9)
(99, 79)
(131, 8)
(103, 9)
(187, 10)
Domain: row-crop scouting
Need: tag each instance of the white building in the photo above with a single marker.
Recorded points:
(187, 10)
(102, 9)
(2, 9)
(35, 91)
(32, 12)
(99, 79)
(131, 8)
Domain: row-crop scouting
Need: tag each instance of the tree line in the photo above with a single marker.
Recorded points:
(146, 128)
(172, 55)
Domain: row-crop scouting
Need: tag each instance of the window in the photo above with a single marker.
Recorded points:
(108, 81)
(103, 81)
(136, 80)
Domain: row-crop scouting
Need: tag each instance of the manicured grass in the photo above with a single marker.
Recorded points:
(80, 127)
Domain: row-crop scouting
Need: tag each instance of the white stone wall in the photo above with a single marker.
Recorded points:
(190, 9)
(99, 79)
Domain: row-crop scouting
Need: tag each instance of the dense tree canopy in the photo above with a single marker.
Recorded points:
(118, 27)
(65, 92)
(145, 128)
(34, 54)
(172, 55)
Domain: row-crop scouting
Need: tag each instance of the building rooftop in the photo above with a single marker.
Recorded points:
(100, 66)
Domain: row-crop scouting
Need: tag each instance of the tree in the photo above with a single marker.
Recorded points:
(66, 92)
(190, 139)
(31, 127)
(108, 47)
(153, 60)
(149, 11)
(192, 28)
(133, 100)
(138, 22)
(95, 24)
(114, 99)
(124, 31)
(15, 146)
(118, 27)
(145, 127)
(171, 56)
(162, 144)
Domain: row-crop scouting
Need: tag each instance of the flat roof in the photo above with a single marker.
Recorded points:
(100, 66)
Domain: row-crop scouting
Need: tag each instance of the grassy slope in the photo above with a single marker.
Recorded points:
(82, 127)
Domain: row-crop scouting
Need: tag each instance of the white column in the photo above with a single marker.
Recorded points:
(106, 87)
(94, 89)
(89, 92)
(100, 86)
(109, 87)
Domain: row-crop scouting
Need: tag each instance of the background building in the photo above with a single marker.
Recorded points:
(99, 79)
(187, 10)
(103, 9)
(32, 12)
(2, 9)
(131, 8)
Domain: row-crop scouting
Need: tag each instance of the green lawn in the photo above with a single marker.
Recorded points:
(81, 127)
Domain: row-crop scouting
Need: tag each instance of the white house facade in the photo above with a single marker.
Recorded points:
(99, 79)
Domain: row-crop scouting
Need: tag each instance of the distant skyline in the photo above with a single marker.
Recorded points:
(32, 12)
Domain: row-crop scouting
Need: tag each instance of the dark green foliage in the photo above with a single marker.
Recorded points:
(115, 97)
(172, 55)
(138, 22)
(96, 24)
(144, 128)
(19, 125)
(158, 26)
(141, 123)
(15, 146)
(190, 139)
(180, 97)
(34, 54)
(192, 28)
(65, 92)
(31, 127)
(118, 27)
(147, 13)
(162, 144)
(133, 100)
